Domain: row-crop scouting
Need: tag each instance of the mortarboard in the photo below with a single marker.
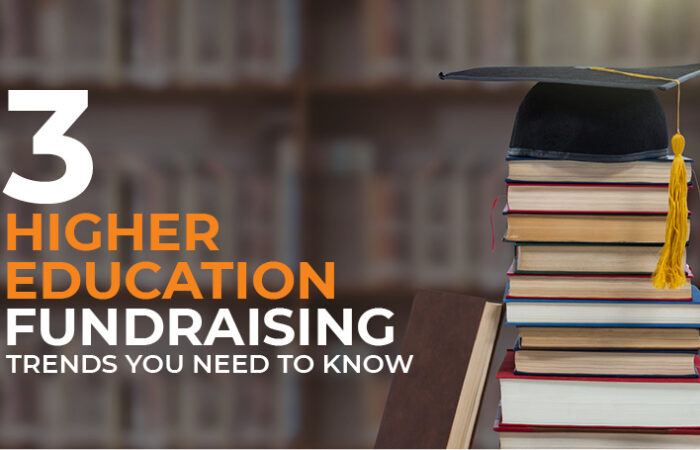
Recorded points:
(603, 114)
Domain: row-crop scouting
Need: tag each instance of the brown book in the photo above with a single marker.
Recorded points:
(635, 363)
(624, 286)
(610, 259)
(436, 404)
(617, 198)
(602, 228)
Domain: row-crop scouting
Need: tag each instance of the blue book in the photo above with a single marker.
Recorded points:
(603, 313)
(517, 347)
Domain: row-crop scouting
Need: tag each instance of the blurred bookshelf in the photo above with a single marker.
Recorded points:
(313, 130)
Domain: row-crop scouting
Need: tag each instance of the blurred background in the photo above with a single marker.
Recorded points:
(313, 130)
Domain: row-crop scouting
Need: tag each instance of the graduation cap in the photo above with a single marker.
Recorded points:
(603, 114)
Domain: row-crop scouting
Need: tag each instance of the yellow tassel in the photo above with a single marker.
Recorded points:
(670, 272)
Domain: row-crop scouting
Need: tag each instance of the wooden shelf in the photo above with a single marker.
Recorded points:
(178, 92)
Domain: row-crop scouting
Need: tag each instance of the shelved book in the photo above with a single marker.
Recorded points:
(652, 170)
(538, 436)
(594, 312)
(596, 338)
(587, 197)
(622, 363)
(590, 286)
(598, 401)
(648, 228)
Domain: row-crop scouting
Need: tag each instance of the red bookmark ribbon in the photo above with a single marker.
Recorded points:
(493, 229)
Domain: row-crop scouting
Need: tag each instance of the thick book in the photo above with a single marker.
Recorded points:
(652, 170)
(598, 401)
(587, 197)
(620, 363)
(594, 338)
(625, 313)
(590, 286)
(586, 228)
(436, 404)
(578, 258)
(543, 436)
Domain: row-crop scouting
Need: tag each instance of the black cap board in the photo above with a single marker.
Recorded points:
(581, 75)
(588, 114)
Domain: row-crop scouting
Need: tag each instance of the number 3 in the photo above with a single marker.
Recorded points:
(50, 140)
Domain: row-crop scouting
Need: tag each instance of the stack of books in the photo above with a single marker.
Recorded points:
(604, 359)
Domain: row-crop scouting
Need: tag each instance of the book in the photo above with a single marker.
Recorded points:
(440, 248)
(385, 235)
(653, 170)
(436, 403)
(597, 401)
(590, 286)
(206, 402)
(587, 197)
(78, 41)
(647, 363)
(523, 312)
(19, 45)
(386, 33)
(539, 436)
(542, 258)
(150, 45)
(288, 195)
(288, 45)
(593, 228)
(609, 338)
(207, 41)
(498, 27)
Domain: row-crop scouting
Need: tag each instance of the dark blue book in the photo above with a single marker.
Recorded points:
(645, 171)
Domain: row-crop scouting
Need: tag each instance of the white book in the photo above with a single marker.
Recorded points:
(602, 402)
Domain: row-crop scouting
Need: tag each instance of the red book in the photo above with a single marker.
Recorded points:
(501, 427)
(527, 436)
